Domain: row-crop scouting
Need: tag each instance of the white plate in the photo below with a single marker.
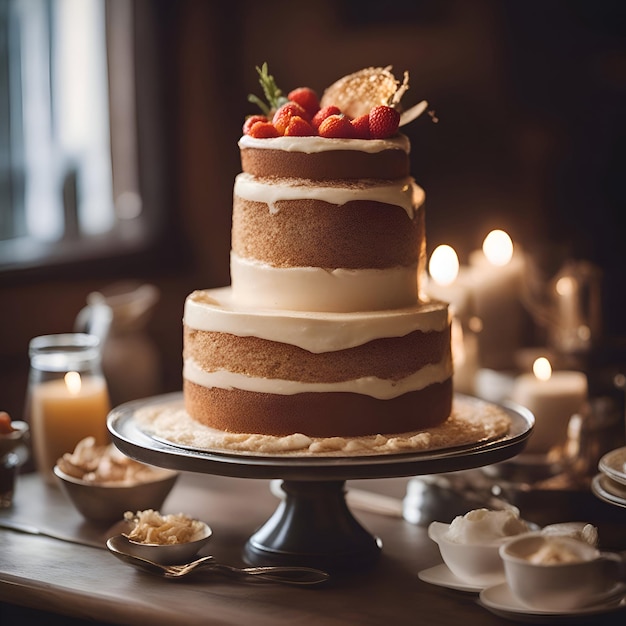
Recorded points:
(613, 464)
(500, 600)
(441, 576)
(608, 490)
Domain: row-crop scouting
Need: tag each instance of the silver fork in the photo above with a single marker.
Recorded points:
(275, 573)
(293, 575)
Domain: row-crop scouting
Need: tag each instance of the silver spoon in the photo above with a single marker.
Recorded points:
(273, 573)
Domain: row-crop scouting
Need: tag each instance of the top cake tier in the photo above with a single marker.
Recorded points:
(318, 158)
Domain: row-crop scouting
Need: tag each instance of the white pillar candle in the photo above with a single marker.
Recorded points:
(495, 276)
(447, 284)
(552, 397)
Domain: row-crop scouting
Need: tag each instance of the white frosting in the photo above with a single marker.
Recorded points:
(481, 526)
(317, 289)
(575, 530)
(404, 193)
(555, 552)
(324, 144)
(215, 310)
(368, 385)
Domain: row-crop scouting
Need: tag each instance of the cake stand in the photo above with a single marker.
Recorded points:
(312, 525)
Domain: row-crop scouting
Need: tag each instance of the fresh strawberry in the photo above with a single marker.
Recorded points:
(251, 120)
(263, 130)
(337, 127)
(285, 113)
(307, 99)
(323, 113)
(361, 126)
(299, 127)
(383, 122)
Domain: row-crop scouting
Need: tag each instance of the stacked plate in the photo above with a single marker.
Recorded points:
(610, 484)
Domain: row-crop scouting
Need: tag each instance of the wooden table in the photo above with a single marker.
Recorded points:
(86, 582)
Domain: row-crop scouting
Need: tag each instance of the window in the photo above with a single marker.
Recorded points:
(69, 172)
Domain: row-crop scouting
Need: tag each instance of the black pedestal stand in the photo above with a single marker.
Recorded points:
(313, 525)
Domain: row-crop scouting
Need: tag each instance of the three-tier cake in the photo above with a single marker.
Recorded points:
(322, 330)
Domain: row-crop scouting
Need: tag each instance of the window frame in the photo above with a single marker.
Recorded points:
(136, 242)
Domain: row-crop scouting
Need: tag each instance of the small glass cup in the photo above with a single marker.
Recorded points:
(9, 466)
(13, 454)
(67, 398)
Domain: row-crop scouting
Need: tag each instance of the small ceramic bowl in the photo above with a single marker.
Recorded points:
(476, 563)
(105, 503)
(170, 554)
(591, 578)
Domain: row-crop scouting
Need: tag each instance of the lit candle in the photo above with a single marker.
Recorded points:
(553, 397)
(495, 276)
(445, 285)
(64, 411)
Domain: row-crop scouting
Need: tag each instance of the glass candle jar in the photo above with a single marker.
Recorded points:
(68, 398)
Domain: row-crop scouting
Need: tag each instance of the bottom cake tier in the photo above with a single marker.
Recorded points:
(319, 374)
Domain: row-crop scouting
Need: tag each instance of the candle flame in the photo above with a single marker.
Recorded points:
(565, 286)
(542, 368)
(498, 248)
(444, 265)
(475, 324)
(73, 383)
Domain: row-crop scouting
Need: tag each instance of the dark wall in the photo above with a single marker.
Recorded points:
(530, 100)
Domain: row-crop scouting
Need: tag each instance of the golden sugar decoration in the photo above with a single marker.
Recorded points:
(356, 94)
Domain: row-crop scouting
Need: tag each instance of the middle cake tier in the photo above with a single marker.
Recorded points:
(321, 374)
(336, 246)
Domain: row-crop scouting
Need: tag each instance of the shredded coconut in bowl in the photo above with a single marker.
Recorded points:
(151, 527)
(105, 465)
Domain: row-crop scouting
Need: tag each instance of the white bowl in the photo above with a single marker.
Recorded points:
(478, 563)
(560, 586)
